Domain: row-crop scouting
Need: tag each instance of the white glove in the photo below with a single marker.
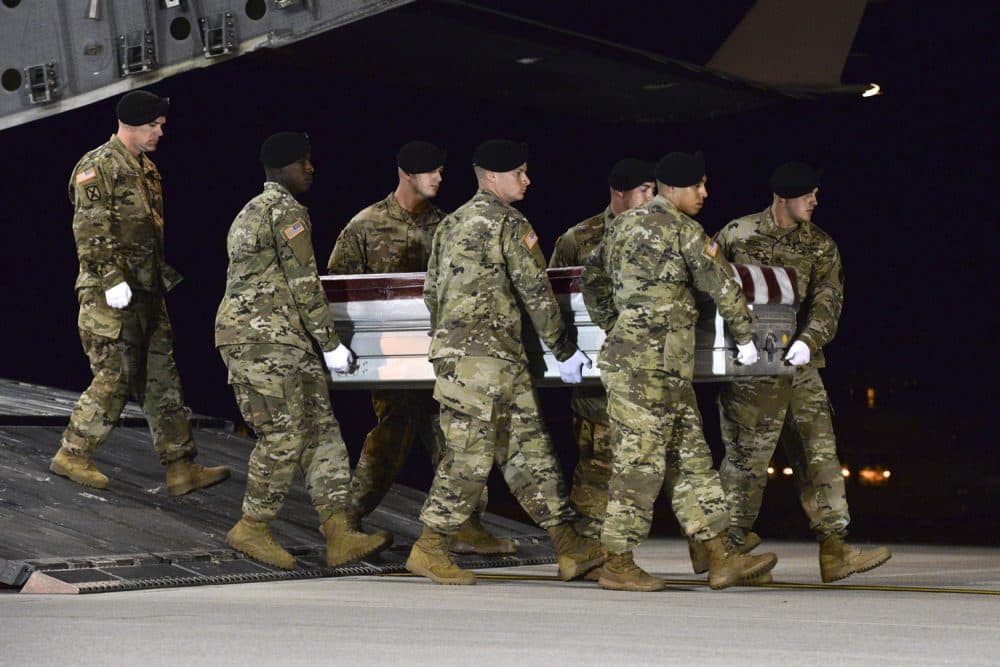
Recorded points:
(339, 359)
(746, 354)
(798, 354)
(118, 296)
(571, 370)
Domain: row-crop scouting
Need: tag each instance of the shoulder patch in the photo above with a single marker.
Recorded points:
(293, 230)
(712, 248)
(86, 175)
(531, 239)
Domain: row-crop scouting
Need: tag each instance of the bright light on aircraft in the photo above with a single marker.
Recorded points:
(845, 471)
(527, 61)
(872, 90)
(786, 471)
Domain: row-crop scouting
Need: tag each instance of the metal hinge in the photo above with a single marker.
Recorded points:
(136, 52)
(41, 83)
(218, 37)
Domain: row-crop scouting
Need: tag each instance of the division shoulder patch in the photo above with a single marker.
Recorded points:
(293, 230)
(86, 175)
(531, 239)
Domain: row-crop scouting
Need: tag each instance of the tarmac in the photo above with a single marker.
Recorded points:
(929, 605)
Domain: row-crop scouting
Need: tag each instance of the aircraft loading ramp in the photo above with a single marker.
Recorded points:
(60, 537)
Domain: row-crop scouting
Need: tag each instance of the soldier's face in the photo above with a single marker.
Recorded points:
(511, 185)
(298, 176)
(427, 184)
(801, 208)
(692, 198)
(638, 196)
(146, 137)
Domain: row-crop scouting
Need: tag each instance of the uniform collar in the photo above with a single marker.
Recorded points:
(118, 146)
(397, 212)
(770, 227)
(274, 186)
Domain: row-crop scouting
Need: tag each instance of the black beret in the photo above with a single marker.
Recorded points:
(420, 157)
(630, 173)
(681, 169)
(139, 107)
(500, 155)
(794, 179)
(284, 148)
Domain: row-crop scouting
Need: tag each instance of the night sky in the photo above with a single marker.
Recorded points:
(907, 194)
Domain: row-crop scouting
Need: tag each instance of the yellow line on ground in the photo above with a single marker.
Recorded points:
(774, 584)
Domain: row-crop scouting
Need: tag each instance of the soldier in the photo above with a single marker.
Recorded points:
(124, 327)
(755, 412)
(631, 183)
(271, 319)
(484, 263)
(391, 236)
(638, 288)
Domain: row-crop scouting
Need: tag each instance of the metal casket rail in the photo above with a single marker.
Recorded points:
(382, 317)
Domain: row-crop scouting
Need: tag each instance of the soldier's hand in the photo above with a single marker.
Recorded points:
(746, 354)
(118, 296)
(339, 359)
(571, 370)
(798, 354)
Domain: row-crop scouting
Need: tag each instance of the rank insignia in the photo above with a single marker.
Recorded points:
(291, 231)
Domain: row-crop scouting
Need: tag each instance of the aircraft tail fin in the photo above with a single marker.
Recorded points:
(791, 42)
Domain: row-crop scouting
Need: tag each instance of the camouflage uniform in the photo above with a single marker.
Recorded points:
(269, 322)
(591, 427)
(484, 262)
(638, 288)
(386, 238)
(756, 412)
(118, 227)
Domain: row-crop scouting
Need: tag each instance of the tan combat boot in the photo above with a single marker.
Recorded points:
(429, 558)
(838, 559)
(344, 544)
(473, 538)
(620, 573)
(254, 539)
(727, 568)
(699, 555)
(78, 468)
(575, 555)
(185, 476)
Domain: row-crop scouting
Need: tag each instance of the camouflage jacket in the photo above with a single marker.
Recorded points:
(385, 238)
(756, 239)
(483, 264)
(638, 287)
(273, 292)
(118, 220)
(580, 240)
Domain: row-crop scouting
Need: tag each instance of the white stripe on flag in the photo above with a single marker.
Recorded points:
(719, 350)
(760, 291)
(785, 283)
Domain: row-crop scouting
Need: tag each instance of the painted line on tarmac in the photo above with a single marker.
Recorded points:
(773, 584)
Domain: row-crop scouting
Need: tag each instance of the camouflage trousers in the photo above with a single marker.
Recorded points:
(137, 361)
(592, 431)
(755, 415)
(490, 413)
(658, 442)
(403, 417)
(283, 395)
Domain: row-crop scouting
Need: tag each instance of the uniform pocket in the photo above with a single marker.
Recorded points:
(96, 316)
(466, 400)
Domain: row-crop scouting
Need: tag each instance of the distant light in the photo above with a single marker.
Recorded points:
(870, 397)
(886, 474)
(874, 475)
(770, 470)
(527, 61)
(786, 471)
(872, 90)
(845, 471)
